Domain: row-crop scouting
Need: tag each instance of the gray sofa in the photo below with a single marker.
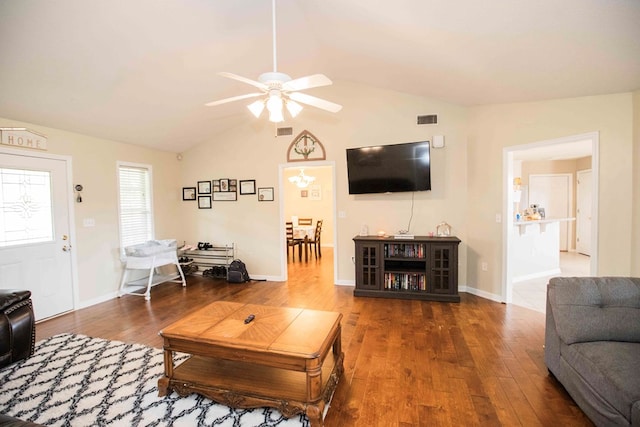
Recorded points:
(592, 345)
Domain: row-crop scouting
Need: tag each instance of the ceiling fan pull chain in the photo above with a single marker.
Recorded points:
(275, 62)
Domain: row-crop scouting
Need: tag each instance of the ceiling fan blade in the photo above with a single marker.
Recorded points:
(315, 80)
(233, 98)
(315, 102)
(244, 80)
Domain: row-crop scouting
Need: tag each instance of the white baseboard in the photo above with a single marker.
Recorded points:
(345, 283)
(98, 300)
(267, 278)
(480, 293)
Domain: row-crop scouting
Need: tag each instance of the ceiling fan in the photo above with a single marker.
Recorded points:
(279, 90)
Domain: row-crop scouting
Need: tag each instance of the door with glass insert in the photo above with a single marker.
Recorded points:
(35, 249)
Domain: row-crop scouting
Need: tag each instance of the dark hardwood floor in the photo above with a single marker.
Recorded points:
(407, 363)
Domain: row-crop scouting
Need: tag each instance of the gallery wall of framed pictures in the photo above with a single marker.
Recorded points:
(225, 190)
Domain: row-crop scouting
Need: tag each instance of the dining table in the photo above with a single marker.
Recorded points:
(304, 233)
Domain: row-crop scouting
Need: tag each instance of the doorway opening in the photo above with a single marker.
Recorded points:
(526, 262)
(316, 201)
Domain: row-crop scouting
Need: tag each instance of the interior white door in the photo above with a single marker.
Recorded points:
(583, 212)
(553, 193)
(34, 231)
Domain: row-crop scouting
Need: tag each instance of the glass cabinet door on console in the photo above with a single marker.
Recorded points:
(368, 258)
(442, 269)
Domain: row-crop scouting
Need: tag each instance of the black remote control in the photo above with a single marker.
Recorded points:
(249, 318)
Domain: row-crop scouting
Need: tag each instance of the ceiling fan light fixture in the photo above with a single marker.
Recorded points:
(276, 116)
(256, 108)
(274, 106)
(293, 107)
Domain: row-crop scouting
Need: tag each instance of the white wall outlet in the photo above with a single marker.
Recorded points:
(342, 214)
(88, 222)
(485, 266)
(498, 218)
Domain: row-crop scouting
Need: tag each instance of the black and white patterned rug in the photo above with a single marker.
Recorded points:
(74, 380)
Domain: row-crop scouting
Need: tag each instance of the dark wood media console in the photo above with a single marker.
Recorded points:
(419, 268)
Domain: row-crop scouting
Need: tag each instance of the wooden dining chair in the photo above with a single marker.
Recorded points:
(293, 242)
(315, 242)
(305, 221)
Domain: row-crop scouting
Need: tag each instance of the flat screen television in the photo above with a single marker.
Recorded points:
(389, 168)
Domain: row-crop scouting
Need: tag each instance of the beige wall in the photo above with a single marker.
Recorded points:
(635, 253)
(494, 127)
(94, 166)
(570, 166)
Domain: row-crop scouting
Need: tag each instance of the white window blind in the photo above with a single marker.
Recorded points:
(135, 204)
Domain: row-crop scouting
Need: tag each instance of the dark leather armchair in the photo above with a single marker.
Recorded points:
(17, 326)
(7, 421)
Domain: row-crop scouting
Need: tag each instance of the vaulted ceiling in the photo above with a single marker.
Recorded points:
(140, 71)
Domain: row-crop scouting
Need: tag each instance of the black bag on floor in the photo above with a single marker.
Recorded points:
(237, 272)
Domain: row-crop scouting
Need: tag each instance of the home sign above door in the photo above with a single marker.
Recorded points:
(23, 138)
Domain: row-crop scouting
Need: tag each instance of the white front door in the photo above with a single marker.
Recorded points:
(583, 212)
(34, 231)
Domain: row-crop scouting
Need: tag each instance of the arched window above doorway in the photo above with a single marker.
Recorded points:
(305, 147)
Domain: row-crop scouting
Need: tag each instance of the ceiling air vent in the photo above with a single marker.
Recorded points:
(284, 131)
(429, 119)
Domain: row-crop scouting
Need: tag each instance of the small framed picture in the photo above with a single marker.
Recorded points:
(204, 202)
(224, 184)
(204, 187)
(265, 194)
(225, 196)
(248, 186)
(304, 193)
(315, 192)
(188, 193)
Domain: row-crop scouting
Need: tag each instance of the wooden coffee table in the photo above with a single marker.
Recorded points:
(286, 358)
